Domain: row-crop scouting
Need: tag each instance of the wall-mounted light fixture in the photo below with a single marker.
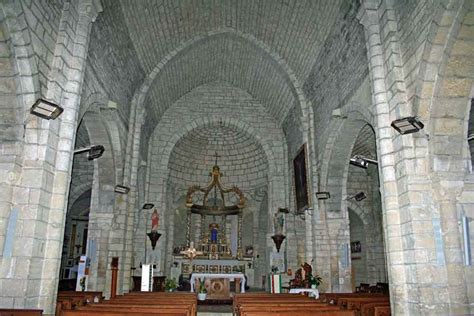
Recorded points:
(46, 109)
(470, 137)
(148, 206)
(283, 210)
(361, 162)
(323, 195)
(359, 196)
(93, 152)
(121, 189)
(407, 125)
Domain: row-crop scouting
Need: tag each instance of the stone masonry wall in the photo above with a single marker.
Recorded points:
(217, 103)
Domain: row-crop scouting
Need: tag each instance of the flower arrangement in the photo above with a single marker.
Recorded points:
(314, 280)
(202, 287)
(170, 285)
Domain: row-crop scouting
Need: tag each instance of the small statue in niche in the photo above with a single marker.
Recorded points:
(155, 221)
(214, 230)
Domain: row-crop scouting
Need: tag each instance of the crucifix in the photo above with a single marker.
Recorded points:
(191, 253)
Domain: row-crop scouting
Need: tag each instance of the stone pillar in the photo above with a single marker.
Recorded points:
(448, 191)
(369, 18)
(31, 272)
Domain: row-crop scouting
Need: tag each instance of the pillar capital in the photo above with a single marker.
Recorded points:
(367, 14)
(91, 8)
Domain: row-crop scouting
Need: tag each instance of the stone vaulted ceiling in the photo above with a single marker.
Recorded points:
(244, 42)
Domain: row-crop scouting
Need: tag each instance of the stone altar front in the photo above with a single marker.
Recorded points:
(239, 279)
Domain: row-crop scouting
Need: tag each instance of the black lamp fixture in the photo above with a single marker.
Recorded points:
(148, 206)
(361, 162)
(359, 196)
(323, 195)
(121, 189)
(407, 125)
(93, 152)
(46, 109)
(283, 210)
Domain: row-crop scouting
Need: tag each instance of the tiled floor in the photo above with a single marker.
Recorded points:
(214, 310)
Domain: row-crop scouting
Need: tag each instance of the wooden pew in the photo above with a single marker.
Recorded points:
(369, 308)
(381, 311)
(20, 312)
(80, 298)
(261, 304)
(156, 303)
(181, 309)
(153, 303)
(333, 298)
(293, 310)
(246, 298)
(67, 300)
(354, 303)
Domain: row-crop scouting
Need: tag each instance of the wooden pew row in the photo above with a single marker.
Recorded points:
(20, 312)
(245, 298)
(89, 296)
(333, 298)
(356, 303)
(176, 304)
(182, 309)
(300, 312)
(261, 304)
(380, 311)
(67, 300)
(154, 302)
(368, 309)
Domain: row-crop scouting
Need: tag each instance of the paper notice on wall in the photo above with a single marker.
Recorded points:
(147, 278)
(277, 262)
(81, 283)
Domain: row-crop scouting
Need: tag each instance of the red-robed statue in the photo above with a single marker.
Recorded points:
(155, 220)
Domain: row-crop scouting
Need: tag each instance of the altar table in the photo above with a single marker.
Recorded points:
(229, 276)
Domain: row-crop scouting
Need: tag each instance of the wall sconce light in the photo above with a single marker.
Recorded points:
(148, 206)
(359, 196)
(407, 125)
(361, 162)
(121, 189)
(283, 210)
(46, 109)
(323, 195)
(470, 137)
(93, 152)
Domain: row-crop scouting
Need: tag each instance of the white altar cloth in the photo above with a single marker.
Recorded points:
(312, 292)
(230, 276)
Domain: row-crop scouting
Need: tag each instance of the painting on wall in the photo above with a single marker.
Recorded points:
(301, 181)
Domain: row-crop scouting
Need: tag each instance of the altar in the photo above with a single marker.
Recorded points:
(239, 279)
(218, 284)
(214, 225)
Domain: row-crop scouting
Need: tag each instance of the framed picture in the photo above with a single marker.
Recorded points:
(301, 180)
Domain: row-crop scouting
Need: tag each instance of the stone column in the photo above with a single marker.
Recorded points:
(368, 16)
(447, 192)
(31, 273)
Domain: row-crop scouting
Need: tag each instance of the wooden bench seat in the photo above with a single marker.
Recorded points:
(369, 308)
(176, 304)
(20, 312)
(333, 298)
(261, 304)
(297, 311)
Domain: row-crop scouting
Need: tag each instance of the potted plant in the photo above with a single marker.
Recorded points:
(315, 280)
(202, 291)
(170, 285)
